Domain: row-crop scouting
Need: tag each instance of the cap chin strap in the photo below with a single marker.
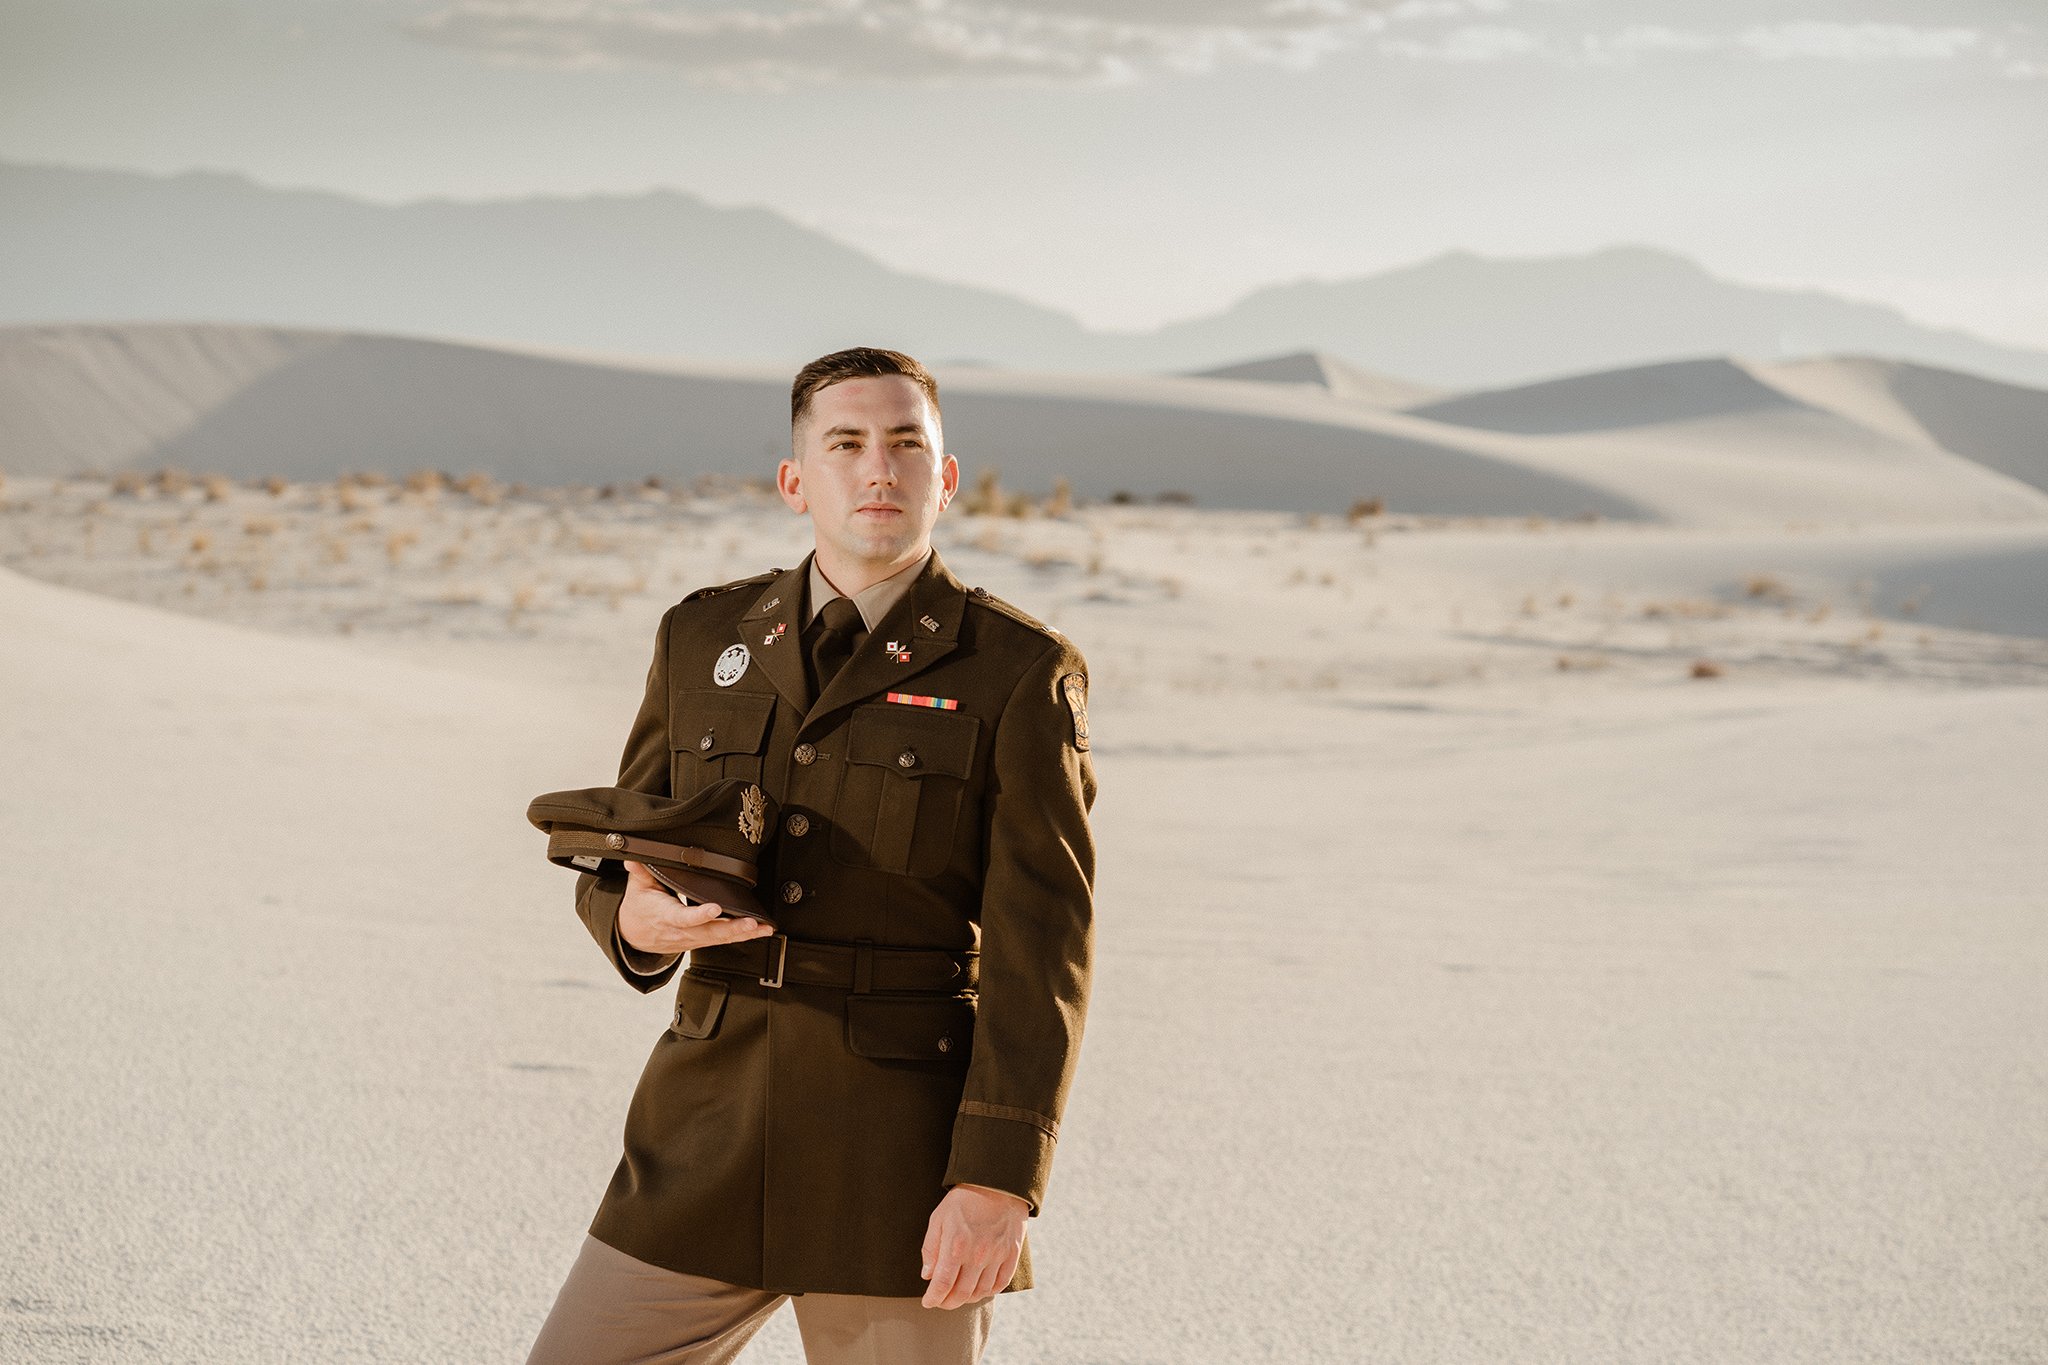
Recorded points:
(565, 844)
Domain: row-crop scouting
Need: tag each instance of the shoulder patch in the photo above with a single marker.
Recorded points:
(1074, 686)
(736, 583)
(988, 599)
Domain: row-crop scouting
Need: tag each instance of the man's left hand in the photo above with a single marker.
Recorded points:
(972, 1245)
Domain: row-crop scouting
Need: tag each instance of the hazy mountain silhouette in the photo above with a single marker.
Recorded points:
(666, 273)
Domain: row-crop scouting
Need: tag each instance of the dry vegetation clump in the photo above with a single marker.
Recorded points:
(397, 543)
(216, 487)
(172, 482)
(1362, 508)
(1767, 588)
(986, 497)
(1706, 668)
(426, 484)
(276, 485)
(261, 526)
(1061, 500)
(130, 483)
(1689, 608)
(480, 488)
(524, 598)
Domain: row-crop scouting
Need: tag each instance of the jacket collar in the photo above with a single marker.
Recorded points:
(924, 627)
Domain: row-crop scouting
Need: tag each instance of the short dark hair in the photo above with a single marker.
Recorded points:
(859, 362)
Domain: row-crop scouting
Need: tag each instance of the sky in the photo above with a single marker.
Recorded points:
(1132, 162)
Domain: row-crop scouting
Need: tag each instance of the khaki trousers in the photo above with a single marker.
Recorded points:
(617, 1310)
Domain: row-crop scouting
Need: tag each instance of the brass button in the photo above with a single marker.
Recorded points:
(946, 1043)
(798, 823)
(907, 759)
(806, 754)
(614, 841)
(792, 892)
(705, 742)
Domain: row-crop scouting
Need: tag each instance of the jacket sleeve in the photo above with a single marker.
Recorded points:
(1037, 933)
(643, 767)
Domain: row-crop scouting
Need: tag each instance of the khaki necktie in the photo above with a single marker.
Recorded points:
(838, 628)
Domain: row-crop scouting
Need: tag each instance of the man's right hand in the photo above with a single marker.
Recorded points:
(654, 921)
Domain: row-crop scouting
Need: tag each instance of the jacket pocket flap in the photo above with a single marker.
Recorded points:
(911, 1028)
(699, 1003)
(913, 742)
(709, 724)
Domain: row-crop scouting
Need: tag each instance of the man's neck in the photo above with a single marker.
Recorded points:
(854, 576)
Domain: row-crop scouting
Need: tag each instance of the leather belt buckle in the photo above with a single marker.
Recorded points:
(781, 942)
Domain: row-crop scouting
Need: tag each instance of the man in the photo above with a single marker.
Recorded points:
(858, 1104)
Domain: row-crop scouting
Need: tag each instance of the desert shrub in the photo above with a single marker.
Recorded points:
(986, 497)
(1061, 500)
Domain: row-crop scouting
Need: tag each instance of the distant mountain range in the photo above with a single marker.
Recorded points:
(664, 273)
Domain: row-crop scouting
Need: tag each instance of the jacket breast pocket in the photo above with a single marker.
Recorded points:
(716, 735)
(905, 782)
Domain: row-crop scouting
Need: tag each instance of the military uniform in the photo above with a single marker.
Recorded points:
(915, 1022)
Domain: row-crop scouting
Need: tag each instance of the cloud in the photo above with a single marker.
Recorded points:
(2011, 49)
(776, 44)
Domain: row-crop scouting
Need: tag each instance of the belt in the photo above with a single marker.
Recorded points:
(858, 967)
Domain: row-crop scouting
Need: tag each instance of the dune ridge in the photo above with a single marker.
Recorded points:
(1714, 441)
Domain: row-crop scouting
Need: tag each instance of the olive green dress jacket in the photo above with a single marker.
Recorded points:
(797, 1137)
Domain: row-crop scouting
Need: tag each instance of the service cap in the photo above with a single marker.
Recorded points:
(704, 847)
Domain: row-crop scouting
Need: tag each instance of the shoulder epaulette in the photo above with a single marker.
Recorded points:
(1014, 612)
(736, 583)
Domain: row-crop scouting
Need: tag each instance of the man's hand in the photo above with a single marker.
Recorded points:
(654, 921)
(972, 1244)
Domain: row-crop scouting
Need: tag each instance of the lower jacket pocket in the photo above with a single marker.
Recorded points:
(911, 1028)
(699, 1003)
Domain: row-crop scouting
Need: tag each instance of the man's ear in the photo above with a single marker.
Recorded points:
(949, 479)
(789, 482)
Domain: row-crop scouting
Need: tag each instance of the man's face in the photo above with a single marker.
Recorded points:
(870, 471)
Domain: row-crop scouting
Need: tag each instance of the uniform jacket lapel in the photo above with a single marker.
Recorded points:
(924, 627)
(777, 615)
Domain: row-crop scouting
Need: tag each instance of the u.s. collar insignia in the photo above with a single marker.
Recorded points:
(731, 665)
(753, 813)
(897, 650)
(928, 622)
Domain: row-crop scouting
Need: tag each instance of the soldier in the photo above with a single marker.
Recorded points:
(856, 1104)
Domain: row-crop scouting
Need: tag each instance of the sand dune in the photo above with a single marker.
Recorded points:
(1341, 378)
(1696, 443)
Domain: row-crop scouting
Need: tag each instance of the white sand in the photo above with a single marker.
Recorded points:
(1475, 983)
